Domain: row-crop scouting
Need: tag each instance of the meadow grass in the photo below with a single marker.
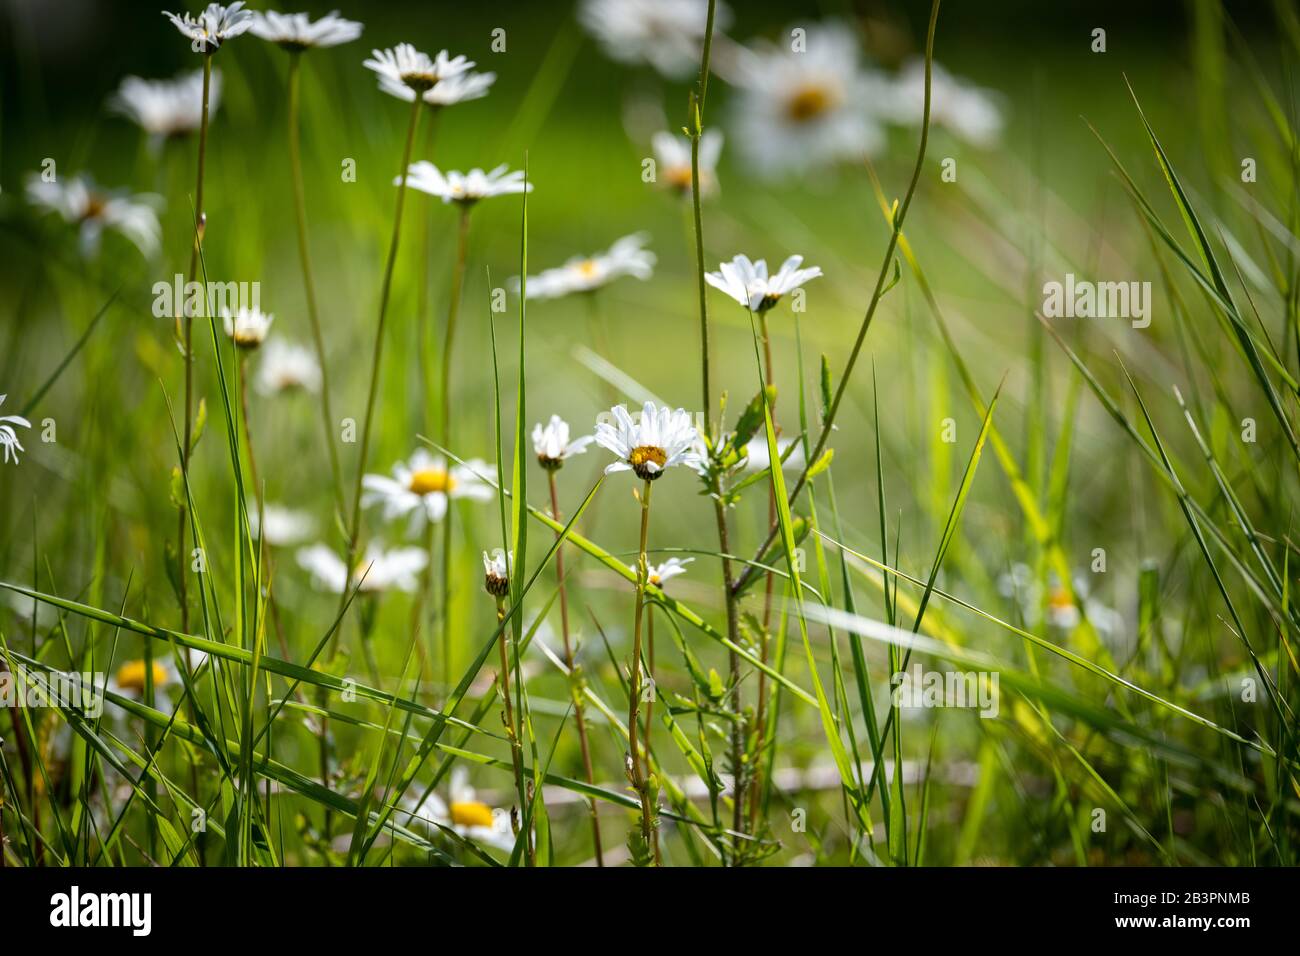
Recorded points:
(1121, 561)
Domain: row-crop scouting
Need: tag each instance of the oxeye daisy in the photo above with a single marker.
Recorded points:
(8, 437)
(807, 108)
(166, 108)
(464, 188)
(464, 813)
(663, 33)
(656, 440)
(626, 257)
(448, 91)
(129, 678)
(378, 570)
(285, 366)
(92, 210)
(750, 285)
(496, 572)
(552, 445)
(673, 159)
(405, 66)
(421, 487)
(296, 31)
(214, 26)
(247, 327)
(657, 574)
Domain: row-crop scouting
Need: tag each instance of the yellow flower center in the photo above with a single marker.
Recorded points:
(809, 103)
(426, 481)
(679, 177)
(587, 268)
(1059, 600)
(130, 676)
(471, 813)
(644, 454)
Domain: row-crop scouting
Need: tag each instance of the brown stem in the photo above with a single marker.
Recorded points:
(634, 681)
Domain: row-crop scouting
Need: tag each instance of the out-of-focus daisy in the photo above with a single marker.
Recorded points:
(750, 285)
(128, 680)
(806, 109)
(247, 327)
(666, 34)
(421, 487)
(8, 437)
(465, 814)
(166, 108)
(757, 458)
(657, 574)
(656, 440)
(214, 26)
(405, 67)
(92, 210)
(285, 366)
(296, 31)
(552, 445)
(496, 572)
(464, 188)
(283, 526)
(971, 113)
(673, 158)
(448, 91)
(378, 571)
(626, 257)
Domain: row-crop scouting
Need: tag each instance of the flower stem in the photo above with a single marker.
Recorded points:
(354, 532)
(516, 747)
(759, 720)
(634, 682)
(578, 708)
(696, 128)
(304, 253)
(424, 326)
(181, 557)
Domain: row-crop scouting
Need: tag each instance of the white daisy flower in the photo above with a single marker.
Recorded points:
(285, 366)
(465, 814)
(667, 34)
(464, 188)
(92, 209)
(750, 285)
(379, 570)
(496, 571)
(421, 487)
(283, 526)
(626, 257)
(166, 108)
(802, 110)
(214, 26)
(248, 327)
(295, 31)
(673, 159)
(8, 437)
(657, 439)
(406, 67)
(448, 91)
(757, 458)
(552, 445)
(971, 113)
(657, 574)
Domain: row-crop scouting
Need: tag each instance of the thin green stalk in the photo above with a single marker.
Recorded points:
(423, 325)
(354, 532)
(634, 683)
(304, 253)
(579, 711)
(886, 262)
(199, 220)
(516, 748)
